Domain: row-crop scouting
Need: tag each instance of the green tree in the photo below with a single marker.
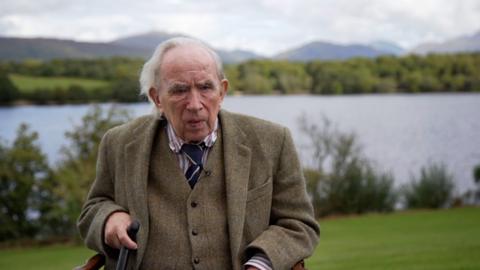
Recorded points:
(125, 90)
(24, 180)
(290, 77)
(232, 74)
(76, 170)
(8, 91)
(254, 77)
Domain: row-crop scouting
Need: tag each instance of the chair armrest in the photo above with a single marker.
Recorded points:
(94, 263)
(299, 266)
(98, 260)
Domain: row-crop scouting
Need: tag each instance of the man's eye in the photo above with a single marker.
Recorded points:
(178, 90)
(206, 86)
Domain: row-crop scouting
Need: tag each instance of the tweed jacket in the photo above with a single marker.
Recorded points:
(268, 208)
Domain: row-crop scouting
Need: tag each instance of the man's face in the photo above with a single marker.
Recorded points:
(190, 92)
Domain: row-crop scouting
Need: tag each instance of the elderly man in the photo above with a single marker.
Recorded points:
(211, 189)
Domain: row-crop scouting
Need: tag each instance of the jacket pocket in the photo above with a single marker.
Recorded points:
(257, 215)
(265, 188)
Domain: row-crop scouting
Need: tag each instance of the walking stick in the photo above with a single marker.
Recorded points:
(123, 257)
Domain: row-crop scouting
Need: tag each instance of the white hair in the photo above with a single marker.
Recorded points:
(150, 75)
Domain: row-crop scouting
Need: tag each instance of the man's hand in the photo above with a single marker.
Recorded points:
(116, 231)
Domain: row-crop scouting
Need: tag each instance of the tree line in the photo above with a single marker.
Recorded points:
(120, 73)
(384, 74)
(40, 201)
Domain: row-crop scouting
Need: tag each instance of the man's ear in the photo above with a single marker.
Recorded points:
(155, 97)
(223, 88)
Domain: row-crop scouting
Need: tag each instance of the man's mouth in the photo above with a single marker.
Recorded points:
(195, 123)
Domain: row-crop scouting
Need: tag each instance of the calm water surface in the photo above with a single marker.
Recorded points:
(400, 133)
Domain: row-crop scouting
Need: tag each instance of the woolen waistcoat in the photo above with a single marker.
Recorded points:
(188, 228)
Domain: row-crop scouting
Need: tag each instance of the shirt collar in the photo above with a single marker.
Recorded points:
(175, 143)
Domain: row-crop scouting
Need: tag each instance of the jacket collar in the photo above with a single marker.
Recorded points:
(237, 156)
(137, 152)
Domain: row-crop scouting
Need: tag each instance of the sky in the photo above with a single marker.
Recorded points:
(266, 27)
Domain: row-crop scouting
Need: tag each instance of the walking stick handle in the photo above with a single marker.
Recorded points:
(132, 233)
(133, 229)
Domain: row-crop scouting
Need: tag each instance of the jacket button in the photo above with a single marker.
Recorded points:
(208, 173)
(194, 232)
(196, 260)
(194, 204)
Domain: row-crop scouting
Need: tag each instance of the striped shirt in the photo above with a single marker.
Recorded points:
(259, 260)
(175, 143)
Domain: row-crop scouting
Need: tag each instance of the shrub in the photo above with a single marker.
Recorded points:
(353, 186)
(476, 174)
(476, 178)
(433, 189)
(344, 181)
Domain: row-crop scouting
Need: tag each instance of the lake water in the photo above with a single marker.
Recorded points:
(400, 133)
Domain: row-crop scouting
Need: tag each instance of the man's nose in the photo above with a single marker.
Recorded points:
(194, 101)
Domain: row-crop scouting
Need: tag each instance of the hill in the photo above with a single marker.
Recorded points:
(48, 48)
(329, 51)
(141, 45)
(469, 43)
(147, 41)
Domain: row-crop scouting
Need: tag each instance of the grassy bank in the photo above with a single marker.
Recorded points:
(45, 258)
(444, 239)
(28, 84)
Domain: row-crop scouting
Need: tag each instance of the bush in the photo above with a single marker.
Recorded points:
(476, 174)
(349, 184)
(353, 186)
(433, 189)
(476, 178)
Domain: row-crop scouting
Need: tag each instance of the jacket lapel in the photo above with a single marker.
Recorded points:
(137, 157)
(237, 169)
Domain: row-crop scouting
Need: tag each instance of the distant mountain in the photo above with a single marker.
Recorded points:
(46, 48)
(460, 44)
(329, 51)
(237, 56)
(387, 46)
(141, 45)
(150, 41)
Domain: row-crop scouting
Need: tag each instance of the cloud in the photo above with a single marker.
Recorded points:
(264, 26)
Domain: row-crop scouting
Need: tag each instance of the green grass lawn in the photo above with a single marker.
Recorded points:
(46, 258)
(29, 83)
(444, 239)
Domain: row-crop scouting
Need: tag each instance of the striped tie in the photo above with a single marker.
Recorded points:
(194, 153)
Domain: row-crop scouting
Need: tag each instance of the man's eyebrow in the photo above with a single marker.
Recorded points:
(177, 86)
(206, 82)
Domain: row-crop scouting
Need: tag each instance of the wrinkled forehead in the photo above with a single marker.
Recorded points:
(187, 58)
